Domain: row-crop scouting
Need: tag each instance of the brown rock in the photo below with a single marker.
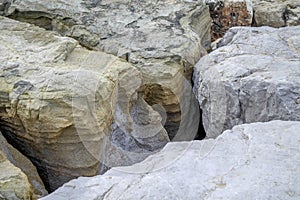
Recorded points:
(229, 13)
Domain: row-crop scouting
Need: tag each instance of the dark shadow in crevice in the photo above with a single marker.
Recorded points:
(21, 147)
(41, 19)
(254, 23)
(201, 134)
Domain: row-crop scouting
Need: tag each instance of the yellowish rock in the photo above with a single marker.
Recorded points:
(23, 163)
(13, 182)
(64, 106)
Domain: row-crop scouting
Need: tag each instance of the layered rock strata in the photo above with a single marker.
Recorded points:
(133, 104)
(60, 104)
(163, 39)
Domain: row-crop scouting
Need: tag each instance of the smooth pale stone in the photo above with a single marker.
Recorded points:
(251, 161)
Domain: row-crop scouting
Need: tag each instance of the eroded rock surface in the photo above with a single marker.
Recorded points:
(163, 39)
(137, 28)
(276, 13)
(251, 161)
(60, 104)
(254, 76)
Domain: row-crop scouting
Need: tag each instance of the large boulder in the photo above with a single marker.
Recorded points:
(251, 161)
(276, 13)
(163, 39)
(253, 76)
(69, 109)
(35, 188)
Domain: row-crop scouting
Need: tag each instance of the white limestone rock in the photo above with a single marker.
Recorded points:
(254, 76)
(251, 161)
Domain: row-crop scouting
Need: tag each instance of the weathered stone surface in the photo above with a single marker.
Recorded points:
(21, 162)
(123, 27)
(60, 105)
(227, 14)
(163, 39)
(254, 76)
(13, 182)
(251, 161)
(276, 13)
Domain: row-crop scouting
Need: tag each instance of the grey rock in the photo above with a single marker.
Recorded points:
(129, 27)
(253, 76)
(251, 161)
(276, 13)
(4, 5)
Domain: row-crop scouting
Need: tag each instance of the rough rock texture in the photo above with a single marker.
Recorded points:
(163, 39)
(123, 27)
(14, 183)
(251, 161)
(61, 104)
(254, 76)
(20, 161)
(276, 13)
(227, 14)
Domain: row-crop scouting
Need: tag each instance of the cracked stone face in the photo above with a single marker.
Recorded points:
(261, 162)
(253, 76)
